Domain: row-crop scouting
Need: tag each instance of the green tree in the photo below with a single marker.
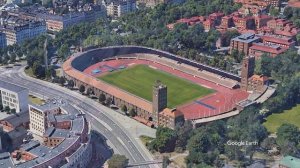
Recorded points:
(124, 108)
(132, 112)
(199, 142)
(117, 161)
(90, 91)
(298, 38)
(257, 69)
(288, 132)
(81, 89)
(102, 98)
(183, 134)
(38, 70)
(164, 141)
(71, 83)
(7, 109)
(268, 143)
(63, 51)
(273, 11)
(108, 101)
(1, 106)
(62, 80)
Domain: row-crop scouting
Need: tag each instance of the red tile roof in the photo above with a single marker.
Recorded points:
(278, 40)
(171, 113)
(267, 48)
(285, 33)
(261, 78)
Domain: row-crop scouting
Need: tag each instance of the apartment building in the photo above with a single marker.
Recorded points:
(243, 42)
(117, 8)
(17, 29)
(38, 118)
(13, 96)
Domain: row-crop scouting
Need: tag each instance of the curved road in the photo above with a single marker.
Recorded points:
(121, 139)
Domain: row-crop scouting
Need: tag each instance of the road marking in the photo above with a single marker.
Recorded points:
(119, 139)
(102, 122)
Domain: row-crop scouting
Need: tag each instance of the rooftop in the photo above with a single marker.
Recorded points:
(278, 40)
(171, 112)
(5, 160)
(291, 162)
(16, 120)
(270, 48)
(70, 136)
(246, 38)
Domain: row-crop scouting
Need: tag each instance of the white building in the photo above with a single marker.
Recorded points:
(18, 29)
(13, 96)
(16, 34)
(38, 118)
(117, 8)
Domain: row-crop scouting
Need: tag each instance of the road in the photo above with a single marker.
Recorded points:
(119, 137)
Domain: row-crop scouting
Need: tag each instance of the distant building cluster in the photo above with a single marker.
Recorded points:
(243, 23)
(54, 134)
(259, 3)
(208, 22)
(19, 24)
(261, 33)
(56, 21)
(257, 45)
(15, 30)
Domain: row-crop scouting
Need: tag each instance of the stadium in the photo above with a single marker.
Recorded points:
(128, 75)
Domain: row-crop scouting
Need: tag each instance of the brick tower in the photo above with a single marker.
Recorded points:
(160, 99)
(248, 66)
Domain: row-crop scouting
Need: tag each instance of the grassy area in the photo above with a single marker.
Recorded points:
(291, 116)
(58, 72)
(139, 80)
(29, 72)
(146, 139)
(36, 100)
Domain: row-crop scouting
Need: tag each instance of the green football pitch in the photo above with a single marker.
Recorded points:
(139, 80)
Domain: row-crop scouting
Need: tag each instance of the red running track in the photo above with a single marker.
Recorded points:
(222, 101)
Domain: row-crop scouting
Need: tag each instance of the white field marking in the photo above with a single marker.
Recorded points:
(131, 64)
(152, 67)
(206, 86)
